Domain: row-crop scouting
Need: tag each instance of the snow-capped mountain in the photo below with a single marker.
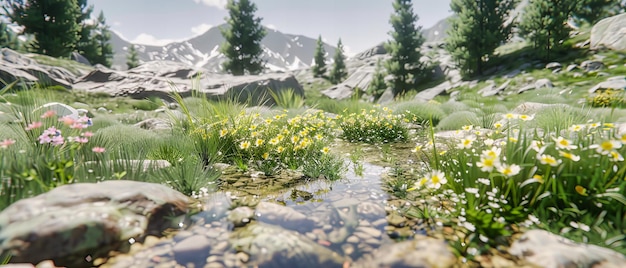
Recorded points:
(281, 51)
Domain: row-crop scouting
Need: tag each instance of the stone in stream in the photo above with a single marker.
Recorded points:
(83, 221)
(548, 250)
(286, 217)
(272, 246)
(240, 216)
(421, 252)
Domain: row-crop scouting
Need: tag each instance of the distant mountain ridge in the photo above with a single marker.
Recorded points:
(282, 52)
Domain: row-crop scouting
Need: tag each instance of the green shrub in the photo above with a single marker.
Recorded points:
(373, 126)
(458, 119)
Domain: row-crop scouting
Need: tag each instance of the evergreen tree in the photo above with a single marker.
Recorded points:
(243, 39)
(476, 31)
(404, 64)
(544, 25)
(102, 36)
(592, 11)
(132, 59)
(52, 23)
(319, 68)
(7, 37)
(338, 73)
(86, 45)
(378, 86)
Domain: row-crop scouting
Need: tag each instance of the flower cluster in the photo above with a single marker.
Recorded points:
(373, 126)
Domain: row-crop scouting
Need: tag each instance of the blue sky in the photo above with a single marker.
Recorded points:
(360, 24)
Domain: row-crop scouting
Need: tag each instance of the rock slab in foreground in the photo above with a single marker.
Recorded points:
(72, 222)
(421, 252)
(548, 250)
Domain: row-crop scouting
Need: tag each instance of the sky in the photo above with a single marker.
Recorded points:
(361, 24)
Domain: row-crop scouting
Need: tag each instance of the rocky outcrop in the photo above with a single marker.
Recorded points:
(75, 224)
(152, 79)
(162, 78)
(421, 252)
(18, 67)
(610, 33)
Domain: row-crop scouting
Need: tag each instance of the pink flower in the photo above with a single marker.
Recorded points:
(58, 140)
(67, 120)
(81, 140)
(87, 134)
(48, 114)
(33, 125)
(77, 125)
(98, 150)
(6, 143)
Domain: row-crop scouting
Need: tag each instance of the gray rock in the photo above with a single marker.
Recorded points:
(386, 97)
(286, 217)
(616, 83)
(591, 65)
(154, 124)
(194, 249)
(240, 216)
(359, 79)
(421, 252)
(492, 90)
(73, 221)
(610, 33)
(431, 93)
(571, 67)
(272, 246)
(543, 82)
(548, 250)
(553, 65)
(152, 79)
(77, 57)
(15, 66)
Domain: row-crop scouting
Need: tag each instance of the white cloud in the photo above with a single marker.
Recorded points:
(347, 51)
(146, 39)
(117, 23)
(200, 29)
(272, 27)
(221, 4)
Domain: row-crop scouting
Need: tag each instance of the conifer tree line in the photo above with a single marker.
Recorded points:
(57, 28)
(478, 27)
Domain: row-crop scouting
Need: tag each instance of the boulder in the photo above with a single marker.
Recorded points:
(160, 79)
(553, 66)
(591, 65)
(543, 82)
(271, 246)
(545, 249)
(610, 33)
(615, 83)
(74, 224)
(420, 252)
(284, 216)
(359, 79)
(155, 124)
(431, 93)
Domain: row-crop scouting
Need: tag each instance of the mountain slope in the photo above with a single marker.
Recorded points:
(281, 51)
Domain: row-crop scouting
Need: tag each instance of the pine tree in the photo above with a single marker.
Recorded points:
(544, 25)
(243, 39)
(102, 36)
(8, 38)
(132, 59)
(338, 73)
(319, 68)
(52, 23)
(404, 64)
(592, 11)
(86, 45)
(476, 31)
(378, 86)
